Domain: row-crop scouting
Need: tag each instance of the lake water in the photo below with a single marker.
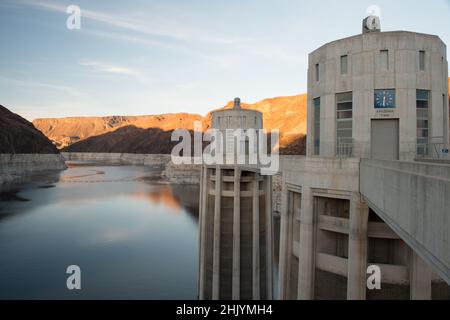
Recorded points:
(132, 237)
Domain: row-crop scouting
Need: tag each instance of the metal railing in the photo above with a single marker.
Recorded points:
(345, 147)
(434, 148)
(432, 151)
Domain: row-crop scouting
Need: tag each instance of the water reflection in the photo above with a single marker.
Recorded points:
(132, 236)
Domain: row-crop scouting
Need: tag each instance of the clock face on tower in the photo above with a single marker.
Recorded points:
(384, 98)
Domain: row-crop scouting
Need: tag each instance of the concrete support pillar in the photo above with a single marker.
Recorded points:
(203, 212)
(216, 244)
(269, 237)
(237, 235)
(357, 249)
(283, 254)
(307, 250)
(255, 245)
(420, 278)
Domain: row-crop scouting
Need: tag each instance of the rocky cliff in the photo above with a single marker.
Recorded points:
(18, 136)
(24, 150)
(151, 134)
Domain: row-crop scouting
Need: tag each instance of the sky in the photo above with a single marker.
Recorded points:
(139, 57)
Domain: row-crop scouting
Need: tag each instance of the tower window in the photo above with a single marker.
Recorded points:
(316, 126)
(344, 124)
(317, 72)
(444, 110)
(344, 64)
(422, 104)
(384, 60)
(422, 60)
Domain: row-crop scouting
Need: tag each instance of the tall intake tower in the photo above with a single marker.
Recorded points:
(235, 218)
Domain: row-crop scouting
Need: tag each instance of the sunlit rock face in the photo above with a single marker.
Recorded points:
(151, 133)
(115, 132)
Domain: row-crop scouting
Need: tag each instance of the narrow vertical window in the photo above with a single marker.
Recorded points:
(316, 126)
(344, 64)
(344, 124)
(317, 72)
(422, 105)
(384, 60)
(422, 60)
(444, 109)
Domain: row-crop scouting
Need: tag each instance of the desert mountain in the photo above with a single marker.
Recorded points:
(67, 131)
(18, 136)
(151, 134)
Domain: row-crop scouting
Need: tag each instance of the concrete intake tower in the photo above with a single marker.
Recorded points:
(235, 218)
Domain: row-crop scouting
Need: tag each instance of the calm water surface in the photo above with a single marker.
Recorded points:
(133, 238)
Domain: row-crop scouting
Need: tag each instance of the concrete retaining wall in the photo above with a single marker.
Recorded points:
(182, 174)
(13, 167)
(122, 158)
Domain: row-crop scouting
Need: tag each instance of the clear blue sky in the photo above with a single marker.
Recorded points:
(148, 57)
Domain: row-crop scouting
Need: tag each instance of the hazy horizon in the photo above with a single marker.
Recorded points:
(152, 57)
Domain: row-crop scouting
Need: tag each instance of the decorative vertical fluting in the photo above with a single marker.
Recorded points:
(283, 255)
(255, 235)
(203, 202)
(237, 234)
(216, 243)
(269, 233)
